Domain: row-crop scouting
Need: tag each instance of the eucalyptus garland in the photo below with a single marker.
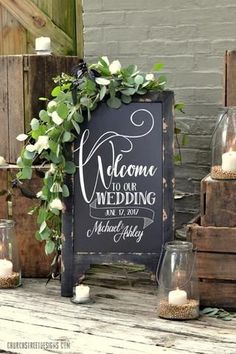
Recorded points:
(73, 99)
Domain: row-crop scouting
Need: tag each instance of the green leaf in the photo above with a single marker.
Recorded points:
(62, 110)
(49, 246)
(102, 81)
(43, 115)
(65, 191)
(131, 69)
(42, 215)
(158, 66)
(55, 92)
(76, 126)
(45, 234)
(162, 80)
(26, 172)
(102, 93)
(43, 99)
(180, 107)
(139, 79)
(70, 167)
(53, 146)
(141, 91)
(34, 124)
(114, 102)
(19, 162)
(207, 310)
(85, 101)
(66, 137)
(37, 236)
(126, 99)
(129, 91)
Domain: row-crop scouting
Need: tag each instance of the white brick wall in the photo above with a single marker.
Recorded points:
(190, 38)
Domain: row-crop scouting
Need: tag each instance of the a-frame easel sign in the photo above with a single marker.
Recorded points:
(121, 203)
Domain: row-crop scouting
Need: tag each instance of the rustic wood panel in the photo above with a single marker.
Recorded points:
(120, 321)
(33, 260)
(213, 239)
(39, 24)
(13, 34)
(4, 131)
(15, 104)
(216, 266)
(218, 202)
(230, 78)
(219, 294)
(3, 188)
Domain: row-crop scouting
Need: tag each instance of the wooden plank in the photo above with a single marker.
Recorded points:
(3, 194)
(39, 24)
(218, 294)
(16, 104)
(230, 78)
(33, 260)
(213, 239)
(216, 266)
(118, 322)
(4, 131)
(221, 194)
(79, 28)
(13, 34)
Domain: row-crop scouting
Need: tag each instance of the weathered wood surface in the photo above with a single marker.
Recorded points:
(230, 78)
(218, 202)
(19, 103)
(34, 262)
(21, 21)
(216, 248)
(120, 321)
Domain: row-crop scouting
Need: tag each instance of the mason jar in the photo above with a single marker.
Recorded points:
(224, 146)
(10, 273)
(178, 295)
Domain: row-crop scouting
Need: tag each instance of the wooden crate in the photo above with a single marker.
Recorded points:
(216, 262)
(25, 78)
(218, 202)
(34, 262)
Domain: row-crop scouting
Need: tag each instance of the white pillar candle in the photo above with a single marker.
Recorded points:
(177, 297)
(43, 44)
(82, 292)
(5, 268)
(229, 161)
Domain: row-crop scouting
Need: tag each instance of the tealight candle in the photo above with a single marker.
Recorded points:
(177, 297)
(82, 293)
(43, 45)
(229, 161)
(5, 268)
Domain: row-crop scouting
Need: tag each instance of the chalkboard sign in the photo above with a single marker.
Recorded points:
(121, 206)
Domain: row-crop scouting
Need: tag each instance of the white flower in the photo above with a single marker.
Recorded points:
(105, 59)
(56, 188)
(2, 161)
(41, 144)
(115, 67)
(52, 169)
(39, 194)
(56, 118)
(21, 137)
(149, 77)
(52, 104)
(56, 204)
(31, 148)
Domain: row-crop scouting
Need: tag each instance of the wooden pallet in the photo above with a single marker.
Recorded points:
(216, 262)
(218, 202)
(25, 78)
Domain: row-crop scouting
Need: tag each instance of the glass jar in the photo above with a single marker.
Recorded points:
(10, 274)
(178, 295)
(224, 146)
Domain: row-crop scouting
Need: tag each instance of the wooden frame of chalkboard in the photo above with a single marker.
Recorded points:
(121, 204)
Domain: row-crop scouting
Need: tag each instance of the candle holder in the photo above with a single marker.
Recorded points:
(10, 273)
(178, 296)
(82, 295)
(224, 146)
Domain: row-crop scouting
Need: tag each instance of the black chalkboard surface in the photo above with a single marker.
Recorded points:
(121, 206)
